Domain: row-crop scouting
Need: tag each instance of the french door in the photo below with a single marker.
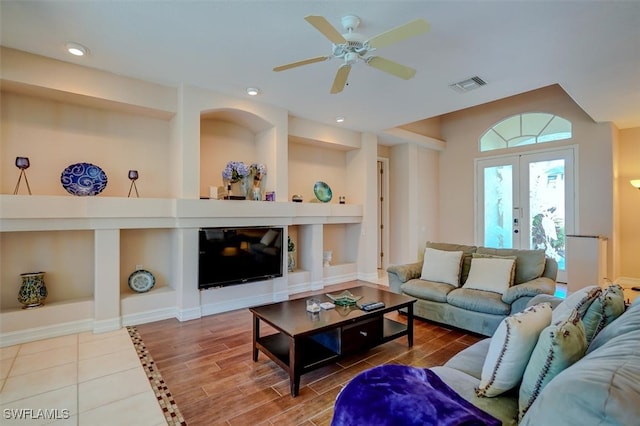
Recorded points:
(526, 201)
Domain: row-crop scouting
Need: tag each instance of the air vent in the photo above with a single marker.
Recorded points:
(468, 84)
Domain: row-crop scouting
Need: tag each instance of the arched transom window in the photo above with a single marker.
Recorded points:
(525, 129)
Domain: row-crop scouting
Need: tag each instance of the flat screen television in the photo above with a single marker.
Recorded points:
(238, 255)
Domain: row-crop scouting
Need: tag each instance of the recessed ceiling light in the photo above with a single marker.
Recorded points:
(77, 49)
(253, 91)
(340, 119)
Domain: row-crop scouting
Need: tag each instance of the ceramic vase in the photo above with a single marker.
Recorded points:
(33, 290)
(239, 188)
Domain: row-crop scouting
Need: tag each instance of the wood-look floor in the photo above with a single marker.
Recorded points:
(207, 365)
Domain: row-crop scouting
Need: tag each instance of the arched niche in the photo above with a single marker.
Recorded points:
(232, 135)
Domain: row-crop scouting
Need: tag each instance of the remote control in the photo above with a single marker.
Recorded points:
(372, 306)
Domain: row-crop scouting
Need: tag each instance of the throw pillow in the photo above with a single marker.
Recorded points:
(559, 346)
(466, 257)
(579, 300)
(441, 266)
(529, 265)
(493, 256)
(490, 274)
(510, 349)
(608, 306)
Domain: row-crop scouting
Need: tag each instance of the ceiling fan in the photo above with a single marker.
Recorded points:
(352, 47)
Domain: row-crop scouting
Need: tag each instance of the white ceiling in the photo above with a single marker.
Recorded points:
(590, 48)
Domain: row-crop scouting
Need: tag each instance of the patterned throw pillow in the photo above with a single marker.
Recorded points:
(442, 266)
(580, 301)
(608, 306)
(510, 349)
(559, 346)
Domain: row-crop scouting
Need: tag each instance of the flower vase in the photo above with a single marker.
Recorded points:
(291, 261)
(33, 290)
(239, 188)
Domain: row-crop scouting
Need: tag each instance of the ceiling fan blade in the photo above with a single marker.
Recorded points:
(325, 28)
(300, 63)
(391, 67)
(397, 34)
(341, 79)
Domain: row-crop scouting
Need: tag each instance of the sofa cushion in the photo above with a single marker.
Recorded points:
(608, 306)
(428, 290)
(529, 263)
(442, 266)
(503, 407)
(628, 322)
(510, 349)
(559, 346)
(490, 274)
(466, 258)
(470, 360)
(478, 300)
(601, 388)
(580, 301)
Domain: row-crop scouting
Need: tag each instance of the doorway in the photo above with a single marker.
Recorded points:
(527, 201)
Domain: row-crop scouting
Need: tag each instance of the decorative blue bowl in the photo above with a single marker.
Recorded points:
(83, 179)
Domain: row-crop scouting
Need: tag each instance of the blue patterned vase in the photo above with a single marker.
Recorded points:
(33, 291)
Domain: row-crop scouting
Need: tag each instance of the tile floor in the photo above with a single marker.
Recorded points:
(80, 379)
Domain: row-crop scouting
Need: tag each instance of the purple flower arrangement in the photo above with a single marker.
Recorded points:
(235, 171)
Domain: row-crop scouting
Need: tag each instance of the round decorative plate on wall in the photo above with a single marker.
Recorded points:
(83, 179)
(322, 192)
(141, 281)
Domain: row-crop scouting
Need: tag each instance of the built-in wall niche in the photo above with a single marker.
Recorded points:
(149, 249)
(342, 241)
(229, 135)
(55, 134)
(295, 235)
(309, 164)
(67, 258)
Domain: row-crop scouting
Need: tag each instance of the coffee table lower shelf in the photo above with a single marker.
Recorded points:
(277, 346)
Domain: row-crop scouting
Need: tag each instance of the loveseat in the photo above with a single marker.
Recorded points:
(440, 284)
(582, 369)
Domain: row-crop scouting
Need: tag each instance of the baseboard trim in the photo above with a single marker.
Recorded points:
(149, 316)
(47, 332)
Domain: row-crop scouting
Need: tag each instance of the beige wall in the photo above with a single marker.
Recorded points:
(462, 130)
(628, 206)
(60, 134)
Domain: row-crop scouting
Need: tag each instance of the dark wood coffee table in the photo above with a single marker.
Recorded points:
(306, 341)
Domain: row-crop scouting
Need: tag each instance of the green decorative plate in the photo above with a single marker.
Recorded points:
(344, 299)
(322, 191)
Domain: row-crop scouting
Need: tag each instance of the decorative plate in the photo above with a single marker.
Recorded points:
(344, 299)
(322, 191)
(141, 281)
(83, 179)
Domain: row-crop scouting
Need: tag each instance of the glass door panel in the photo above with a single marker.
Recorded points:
(526, 202)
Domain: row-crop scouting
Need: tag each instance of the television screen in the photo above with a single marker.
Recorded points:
(231, 256)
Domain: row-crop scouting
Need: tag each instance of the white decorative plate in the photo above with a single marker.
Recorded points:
(141, 281)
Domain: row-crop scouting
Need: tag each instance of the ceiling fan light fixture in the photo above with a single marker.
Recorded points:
(76, 49)
(339, 119)
(253, 91)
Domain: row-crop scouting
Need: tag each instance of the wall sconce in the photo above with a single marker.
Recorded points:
(23, 164)
(133, 175)
(635, 183)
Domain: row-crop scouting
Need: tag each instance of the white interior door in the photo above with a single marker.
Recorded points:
(527, 201)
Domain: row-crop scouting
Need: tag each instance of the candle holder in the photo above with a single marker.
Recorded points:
(23, 164)
(133, 175)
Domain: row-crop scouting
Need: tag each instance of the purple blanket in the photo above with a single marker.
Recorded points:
(402, 395)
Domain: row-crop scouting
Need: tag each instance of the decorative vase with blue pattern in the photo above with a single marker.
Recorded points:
(33, 290)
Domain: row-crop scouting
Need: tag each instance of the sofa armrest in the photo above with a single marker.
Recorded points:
(400, 274)
(531, 288)
(541, 298)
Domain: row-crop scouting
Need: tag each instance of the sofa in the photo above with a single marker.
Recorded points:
(440, 284)
(589, 373)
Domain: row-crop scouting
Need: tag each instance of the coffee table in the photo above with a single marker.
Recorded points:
(306, 341)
